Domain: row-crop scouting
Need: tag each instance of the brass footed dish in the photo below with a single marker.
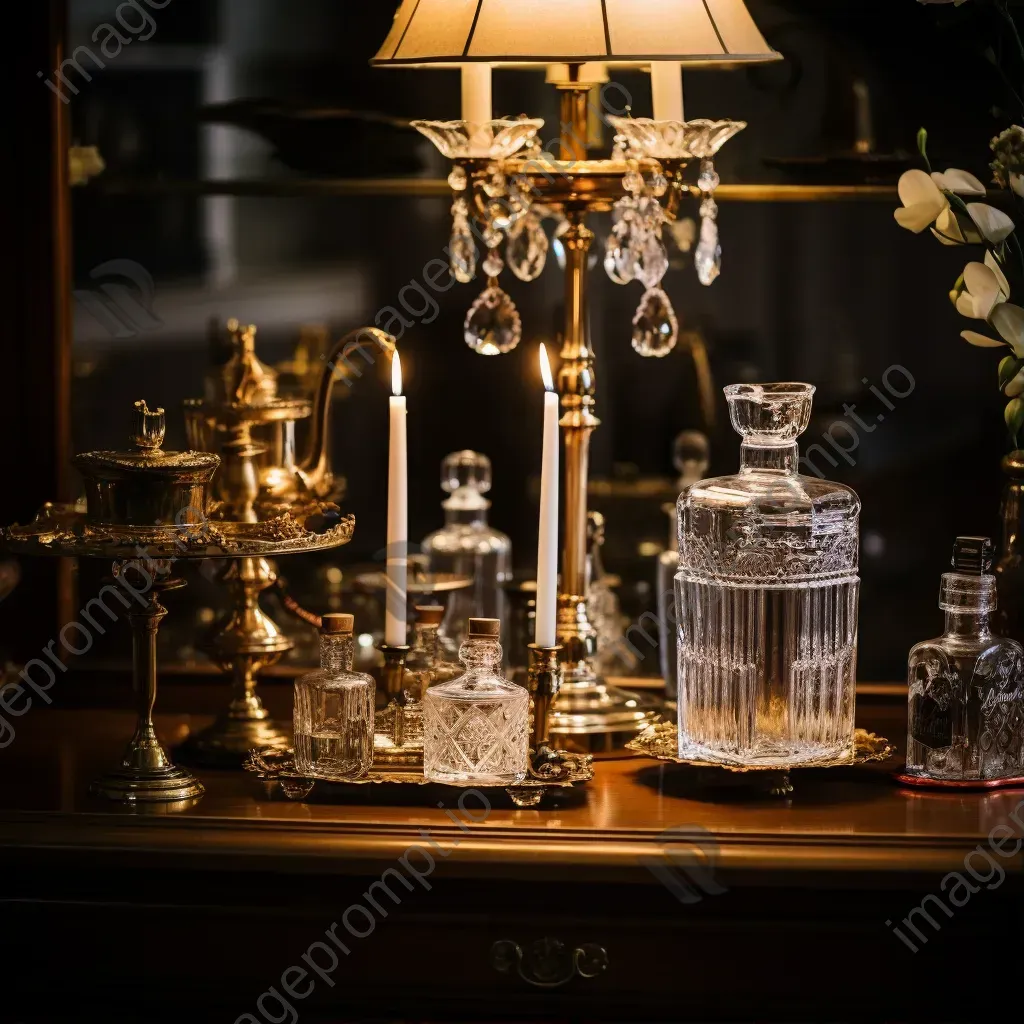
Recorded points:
(276, 770)
(661, 742)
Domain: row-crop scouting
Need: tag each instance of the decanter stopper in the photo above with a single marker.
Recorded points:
(484, 629)
(466, 476)
(973, 556)
(337, 622)
(148, 427)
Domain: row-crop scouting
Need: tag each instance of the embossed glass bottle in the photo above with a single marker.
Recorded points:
(333, 714)
(467, 546)
(476, 727)
(766, 594)
(966, 688)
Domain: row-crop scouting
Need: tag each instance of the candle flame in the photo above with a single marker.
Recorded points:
(396, 374)
(545, 369)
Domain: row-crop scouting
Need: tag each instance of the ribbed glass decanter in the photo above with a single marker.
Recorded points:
(766, 595)
(966, 688)
(333, 714)
(476, 727)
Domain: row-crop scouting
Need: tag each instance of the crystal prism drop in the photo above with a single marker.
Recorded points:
(655, 327)
(492, 323)
(708, 258)
(462, 256)
(619, 263)
(493, 264)
(527, 250)
(653, 265)
(708, 180)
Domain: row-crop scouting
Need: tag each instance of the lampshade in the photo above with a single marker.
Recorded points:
(517, 32)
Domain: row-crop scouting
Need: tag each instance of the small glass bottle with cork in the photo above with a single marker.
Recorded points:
(334, 709)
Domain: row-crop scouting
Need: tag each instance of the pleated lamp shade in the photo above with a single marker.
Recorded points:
(518, 32)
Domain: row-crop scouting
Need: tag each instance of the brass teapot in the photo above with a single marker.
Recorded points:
(244, 417)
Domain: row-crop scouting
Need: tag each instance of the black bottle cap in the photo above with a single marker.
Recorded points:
(973, 556)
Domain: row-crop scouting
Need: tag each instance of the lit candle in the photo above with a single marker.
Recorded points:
(547, 545)
(667, 87)
(398, 514)
(476, 104)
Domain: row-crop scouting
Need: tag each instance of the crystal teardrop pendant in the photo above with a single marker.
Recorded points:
(462, 248)
(708, 258)
(492, 324)
(653, 264)
(462, 257)
(527, 250)
(655, 327)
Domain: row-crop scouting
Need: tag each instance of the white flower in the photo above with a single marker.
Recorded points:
(1008, 320)
(961, 182)
(985, 286)
(923, 203)
(993, 224)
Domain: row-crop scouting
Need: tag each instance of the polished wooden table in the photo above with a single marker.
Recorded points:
(646, 895)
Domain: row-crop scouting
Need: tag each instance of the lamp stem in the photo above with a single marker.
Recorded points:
(576, 384)
(575, 97)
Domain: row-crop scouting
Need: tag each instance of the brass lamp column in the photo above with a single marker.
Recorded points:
(587, 714)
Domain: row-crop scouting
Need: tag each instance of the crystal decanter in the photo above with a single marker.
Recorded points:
(966, 688)
(767, 593)
(476, 727)
(334, 709)
(467, 546)
(691, 456)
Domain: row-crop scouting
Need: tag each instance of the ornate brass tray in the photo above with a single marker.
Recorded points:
(276, 770)
(63, 530)
(660, 741)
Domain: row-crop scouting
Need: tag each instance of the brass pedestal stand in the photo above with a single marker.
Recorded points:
(146, 773)
(247, 643)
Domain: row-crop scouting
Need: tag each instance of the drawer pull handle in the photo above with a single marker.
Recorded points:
(549, 963)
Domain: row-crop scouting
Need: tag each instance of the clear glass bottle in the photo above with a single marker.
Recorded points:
(333, 714)
(966, 688)
(467, 546)
(767, 592)
(690, 456)
(426, 664)
(476, 727)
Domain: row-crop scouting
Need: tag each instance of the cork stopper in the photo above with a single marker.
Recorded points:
(429, 614)
(484, 629)
(337, 622)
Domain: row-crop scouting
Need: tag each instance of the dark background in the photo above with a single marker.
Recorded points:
(834, 293)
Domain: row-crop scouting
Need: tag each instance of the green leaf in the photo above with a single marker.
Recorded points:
(1009, 367)
(1014, 415)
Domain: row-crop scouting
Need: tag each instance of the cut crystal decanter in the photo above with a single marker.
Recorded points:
(766, 596)
(467, 546)
(334, 709)
(476, 727)
(966, 688)
(690, 456)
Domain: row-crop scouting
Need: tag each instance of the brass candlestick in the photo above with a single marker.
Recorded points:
(398, 725)
(544, 680)
(146, 773)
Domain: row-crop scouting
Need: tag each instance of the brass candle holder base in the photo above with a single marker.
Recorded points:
(146, 773)
(248, 642)
(398, 725)
(545, 676)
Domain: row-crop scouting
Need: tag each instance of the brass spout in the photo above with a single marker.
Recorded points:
(315, 472)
